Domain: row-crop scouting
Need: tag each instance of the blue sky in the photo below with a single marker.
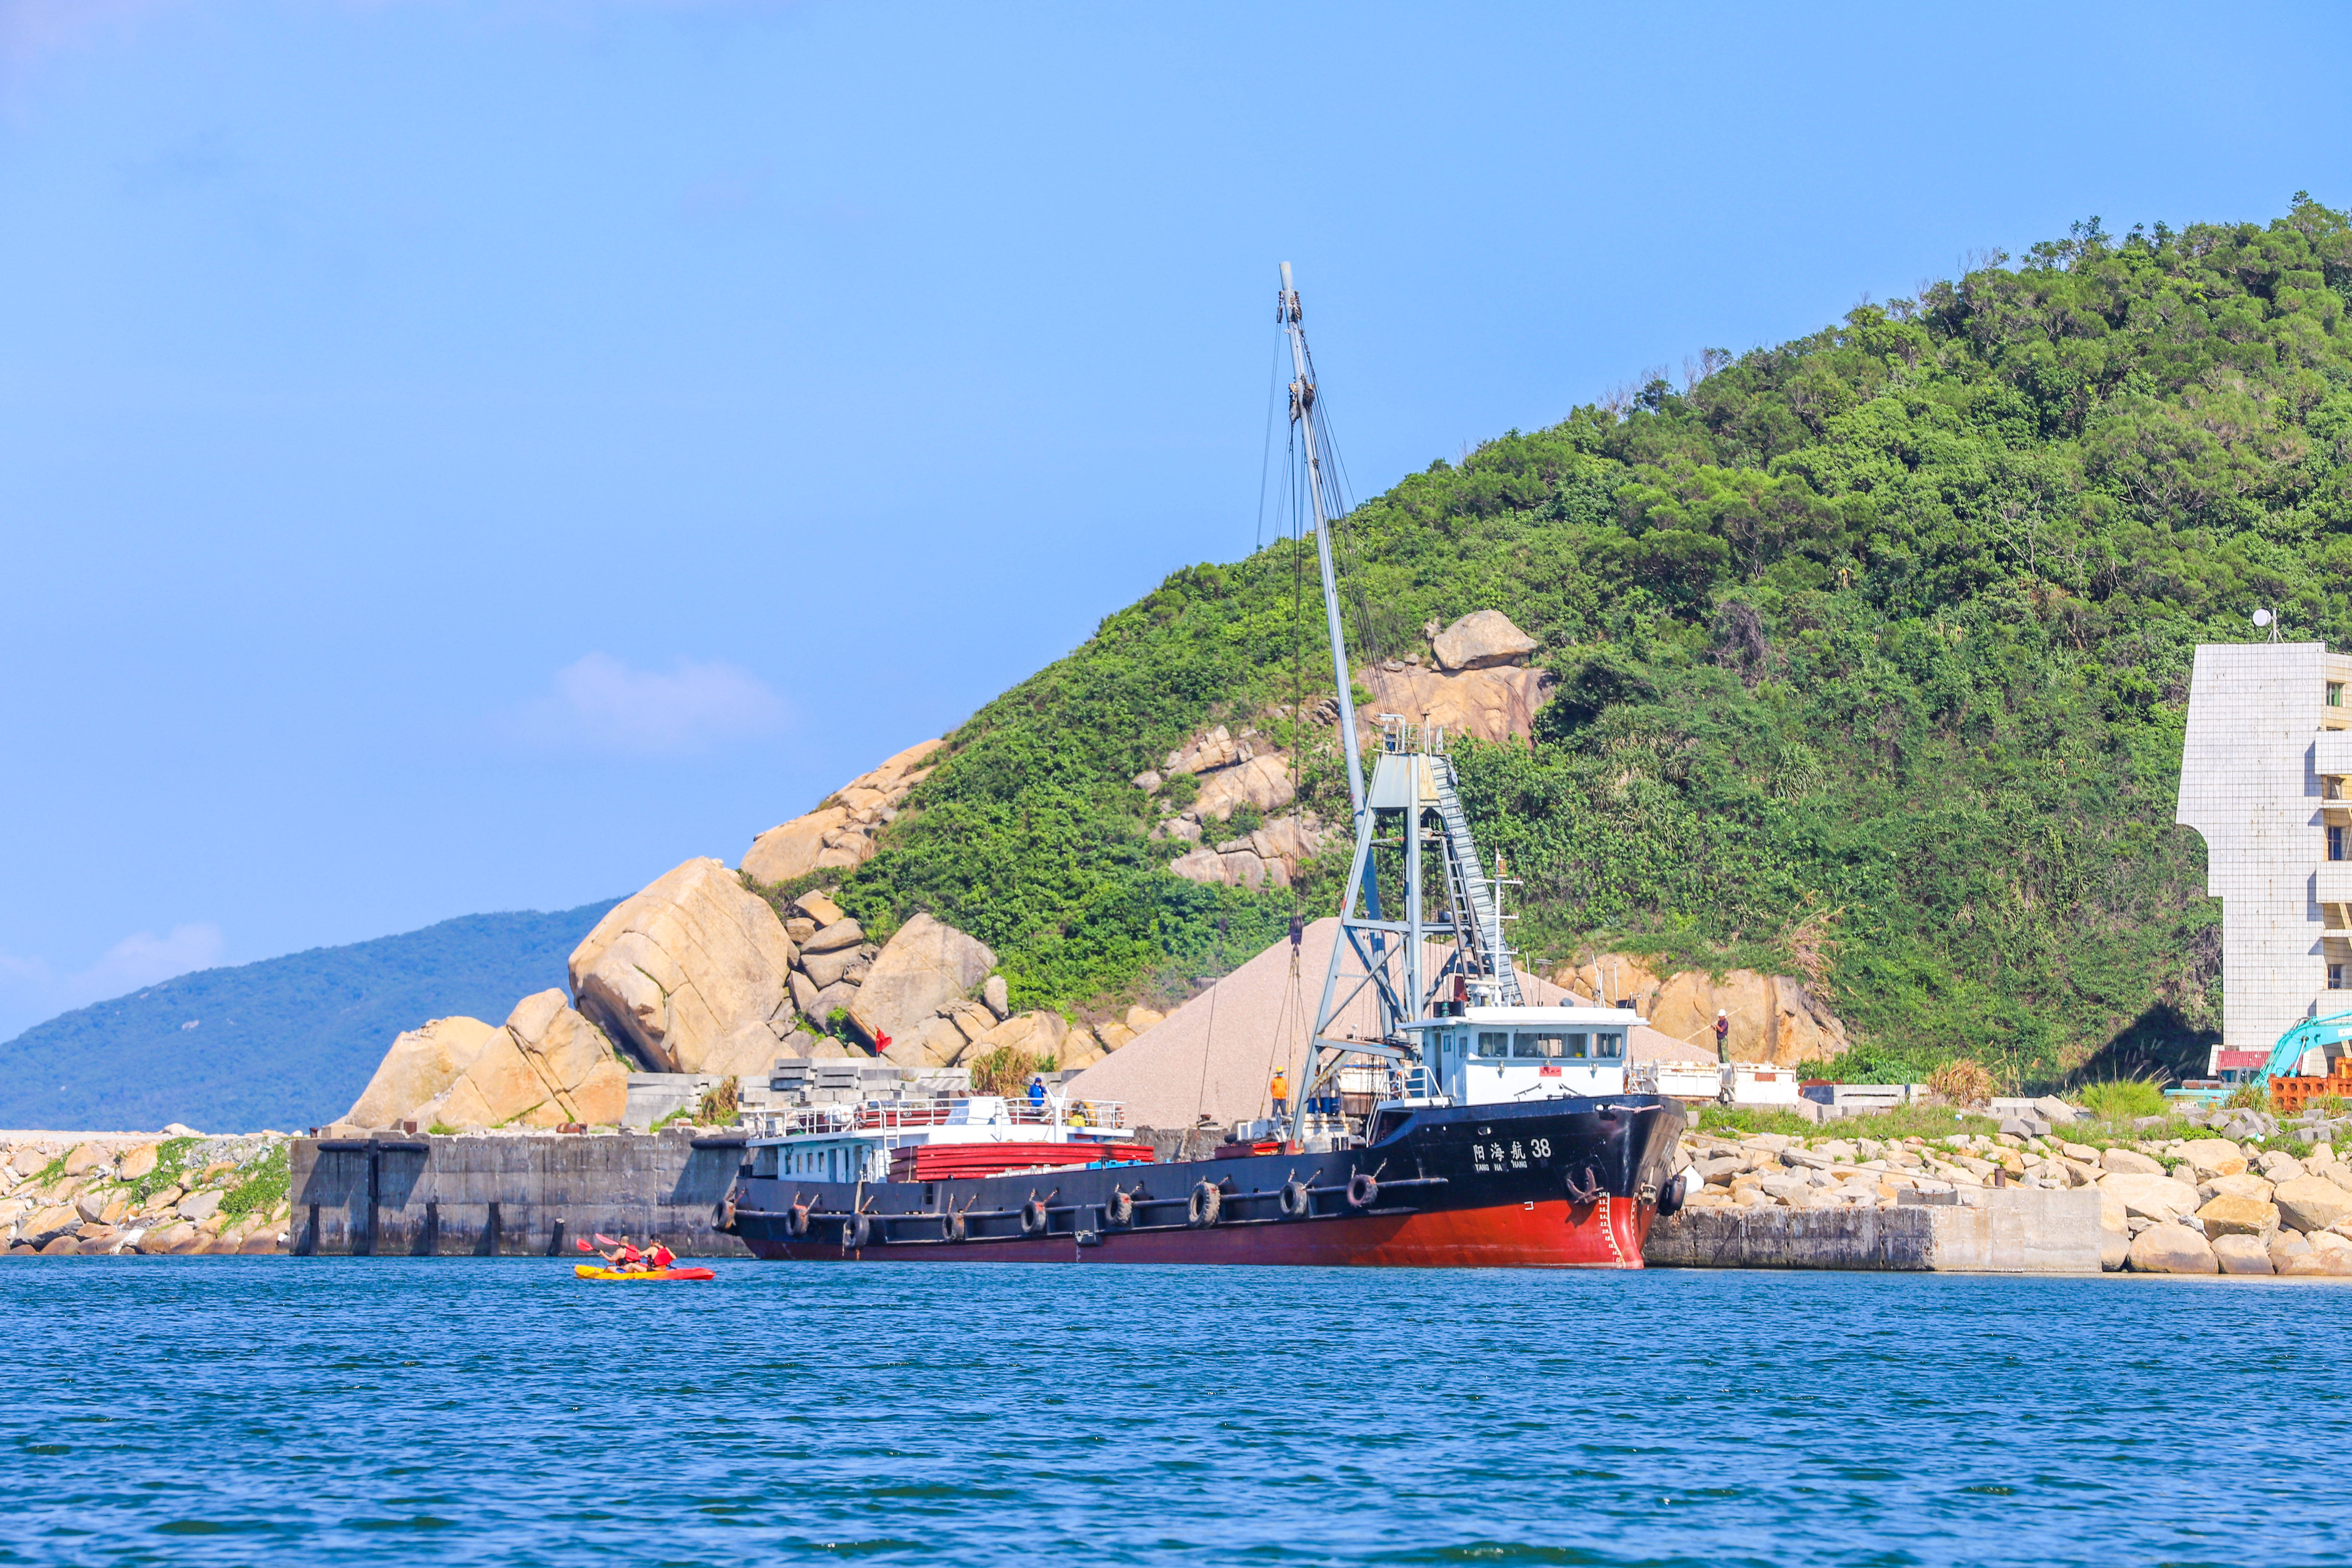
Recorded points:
(460, 457)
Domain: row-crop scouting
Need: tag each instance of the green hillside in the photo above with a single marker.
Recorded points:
(289, 1042)
(1875, 647)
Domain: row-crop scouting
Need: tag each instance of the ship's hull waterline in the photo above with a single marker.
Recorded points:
(1558, 1183)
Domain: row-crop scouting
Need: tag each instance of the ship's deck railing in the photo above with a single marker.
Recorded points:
(1400, 735)
(883, 1116)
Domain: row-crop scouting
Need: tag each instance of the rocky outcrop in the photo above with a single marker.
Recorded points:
(1262, 783)
(840, 832)
(2150, 1197)
(1482, 639)
(547, 1065)
(1481, 685)
(1235, 771)
(1491, 704)
(136, 1193)
(924, 968)
(1040, 1036)
(1268, 857)
(911, 1002)
(420, 1067)
(2172, 1249)
(2209, 1158)
(2313, 1202)
(678, 973)
(1774, 1018)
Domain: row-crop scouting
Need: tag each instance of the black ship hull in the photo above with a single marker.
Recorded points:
(1566, 1183)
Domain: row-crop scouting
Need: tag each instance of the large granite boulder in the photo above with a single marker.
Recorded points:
(2241, 1253)
(672, 972)
(2150, 1197)
(419, 1067)
(1263, 782)
(2312, 1203)
(1213, 748)
(572, 1057)
(1039, 1034)
(1482, 639)
(934, 1042)
(2172, 1249)
(1613, 979)
(546, 1066)
(840, 832)
(1774, 1018)
(1491, 704)
(2115, 1231)
(2211, 1157)
(2232, 1216)
(1233, 868)
(791, 848)
(925, 967)
(748, 1054)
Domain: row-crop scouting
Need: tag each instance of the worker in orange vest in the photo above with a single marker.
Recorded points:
(1281, 1093)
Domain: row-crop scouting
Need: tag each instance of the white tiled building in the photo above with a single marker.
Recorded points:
(2267, 777)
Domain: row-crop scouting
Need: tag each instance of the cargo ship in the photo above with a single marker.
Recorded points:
(1464, 1127)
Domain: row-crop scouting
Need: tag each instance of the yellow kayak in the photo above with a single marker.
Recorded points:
(641, 1276)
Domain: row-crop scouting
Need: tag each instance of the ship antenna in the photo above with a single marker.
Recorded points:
(1305, 415)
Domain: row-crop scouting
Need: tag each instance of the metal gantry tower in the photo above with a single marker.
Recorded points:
(1412, 791)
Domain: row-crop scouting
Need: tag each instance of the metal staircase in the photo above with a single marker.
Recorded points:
(1471, 891)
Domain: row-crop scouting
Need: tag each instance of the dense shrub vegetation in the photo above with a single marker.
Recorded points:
(1873, 650)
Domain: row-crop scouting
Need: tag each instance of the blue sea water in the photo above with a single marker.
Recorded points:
(239, 1410)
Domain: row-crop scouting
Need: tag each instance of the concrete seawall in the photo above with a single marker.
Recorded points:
(2002, 1230)
(396, 1196)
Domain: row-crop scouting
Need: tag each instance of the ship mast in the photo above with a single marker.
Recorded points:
(1302, 414)
(1373, 959)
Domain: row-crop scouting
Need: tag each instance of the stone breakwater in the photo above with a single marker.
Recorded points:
(176, 1191)
(511, 1193)
(2215, 1204)
(2013, 1230)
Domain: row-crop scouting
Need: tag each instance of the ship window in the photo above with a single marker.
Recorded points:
(1609, 1043)
(1577, 1044)
(1540, 1045)
(1493, 1043)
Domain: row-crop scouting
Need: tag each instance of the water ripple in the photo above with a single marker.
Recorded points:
(497, 1411)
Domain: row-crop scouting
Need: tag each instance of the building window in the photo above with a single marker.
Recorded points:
(2335, 694)
(2337, 847)
(2336, 978)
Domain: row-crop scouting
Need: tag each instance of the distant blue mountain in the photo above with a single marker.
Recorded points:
(284, 1043)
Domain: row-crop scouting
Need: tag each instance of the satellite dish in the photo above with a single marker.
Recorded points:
(2262, 617)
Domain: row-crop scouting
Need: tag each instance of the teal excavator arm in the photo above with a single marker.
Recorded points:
(2286, 1057)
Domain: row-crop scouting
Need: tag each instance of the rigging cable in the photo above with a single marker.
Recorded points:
(1266, 458)
(1208, 1042)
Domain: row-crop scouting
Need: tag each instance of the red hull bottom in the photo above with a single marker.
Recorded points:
(1541, 1233)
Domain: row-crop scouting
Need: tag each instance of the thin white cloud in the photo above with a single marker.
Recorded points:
(31, 989)
(600, 704)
